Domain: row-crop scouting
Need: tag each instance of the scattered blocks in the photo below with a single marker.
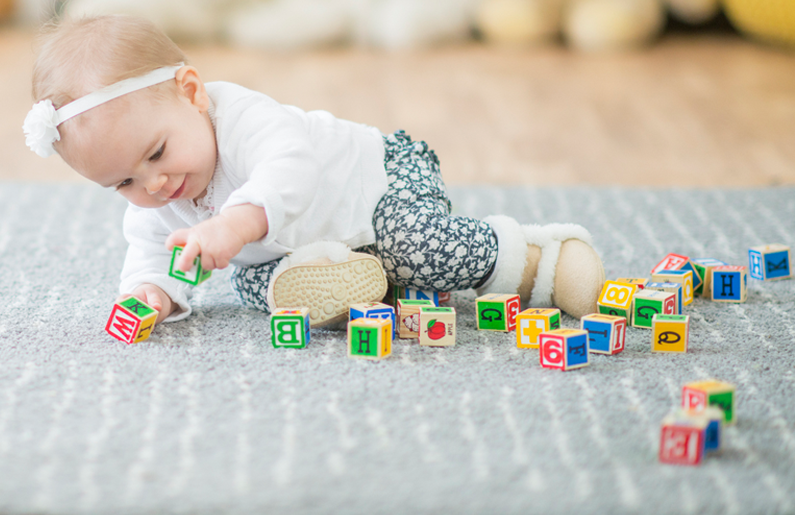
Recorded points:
(675, 288)
(437, 326)
(131, 320)
(646, 304)
(699, 395)
(606, 334)
(703, 267)
(532, 322)
(290, 328)
(616, 299)
(563, 349)
(374, 310)
(408, 317)
(640, 282)
(369, 338)
(729, 283)
(682, 438)
(683, 277)
(769, 262)
(497, 312)
(194, 276)
(670, 333)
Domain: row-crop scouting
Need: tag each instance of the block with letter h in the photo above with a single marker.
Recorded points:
(374, 310)
(730, 283)
(563, 349)
(532, 322)
(497, 312)
(769, 262)
(700, 395)
(616, 299)
(369, 338)
(131, 320)
(606, 334)
(290, 328)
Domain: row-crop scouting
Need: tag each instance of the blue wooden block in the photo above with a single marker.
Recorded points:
(769, 262)
(374, 310)
(729, 283)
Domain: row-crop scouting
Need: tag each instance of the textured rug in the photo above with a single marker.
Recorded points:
(207, 417)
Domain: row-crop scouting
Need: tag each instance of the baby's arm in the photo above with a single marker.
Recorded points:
(220, 238)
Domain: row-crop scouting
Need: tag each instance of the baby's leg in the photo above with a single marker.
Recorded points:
(250, 283)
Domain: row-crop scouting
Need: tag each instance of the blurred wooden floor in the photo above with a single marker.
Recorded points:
(688, 111)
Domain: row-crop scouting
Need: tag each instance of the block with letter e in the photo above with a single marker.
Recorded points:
(532, 322)
(369, 338)
(769, 262)
(729, 283)
(563, 349)
(290, 328)
(606, 333)
(131, 320)
(497, 312)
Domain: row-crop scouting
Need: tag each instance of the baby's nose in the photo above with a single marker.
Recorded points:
(155, 184)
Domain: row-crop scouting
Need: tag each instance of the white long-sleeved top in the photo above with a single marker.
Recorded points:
(316, 176)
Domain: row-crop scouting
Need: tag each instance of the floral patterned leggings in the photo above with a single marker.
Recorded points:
(419, 243)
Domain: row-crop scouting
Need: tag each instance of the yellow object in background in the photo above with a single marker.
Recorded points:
(768, 20)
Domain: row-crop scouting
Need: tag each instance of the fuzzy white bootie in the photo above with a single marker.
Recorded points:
(549, 265)
(327, 277)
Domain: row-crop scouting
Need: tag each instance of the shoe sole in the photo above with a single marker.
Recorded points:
(328, 290)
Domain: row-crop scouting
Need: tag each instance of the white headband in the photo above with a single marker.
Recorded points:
(41, 123)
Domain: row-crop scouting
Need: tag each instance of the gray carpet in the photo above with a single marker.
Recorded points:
(206, 417)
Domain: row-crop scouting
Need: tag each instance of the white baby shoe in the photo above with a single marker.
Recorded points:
(327, 277)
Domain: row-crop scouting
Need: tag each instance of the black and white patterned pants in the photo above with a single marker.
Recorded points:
(419, 243)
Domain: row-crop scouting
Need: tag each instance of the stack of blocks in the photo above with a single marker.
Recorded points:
(290, 328)
(497, 312)
(131, 320)
(530, 323)
(195, 276)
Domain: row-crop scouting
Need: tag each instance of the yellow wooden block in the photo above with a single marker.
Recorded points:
(532, 322)
(683, 277)
(670, 333)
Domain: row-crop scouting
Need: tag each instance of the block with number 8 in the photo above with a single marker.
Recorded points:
(616, 299)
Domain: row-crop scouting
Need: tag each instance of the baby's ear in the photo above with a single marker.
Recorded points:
(191, 87)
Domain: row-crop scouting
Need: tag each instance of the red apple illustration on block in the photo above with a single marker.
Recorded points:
(436, 330)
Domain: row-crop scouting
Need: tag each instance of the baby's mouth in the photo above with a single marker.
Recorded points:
(179, 191)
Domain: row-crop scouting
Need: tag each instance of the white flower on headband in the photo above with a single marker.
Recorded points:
(41, 128)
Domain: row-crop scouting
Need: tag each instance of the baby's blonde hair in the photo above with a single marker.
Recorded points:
(78, 56)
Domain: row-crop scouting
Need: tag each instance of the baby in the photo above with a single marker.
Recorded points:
(235, 177)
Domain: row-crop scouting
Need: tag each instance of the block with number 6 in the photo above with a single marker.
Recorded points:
(563, 349)
(369, 338)
(606, 333)
(532, 322)
(131, 320)
(290, 328)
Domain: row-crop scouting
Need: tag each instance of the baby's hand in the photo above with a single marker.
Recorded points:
(214, 240)
(153, 296)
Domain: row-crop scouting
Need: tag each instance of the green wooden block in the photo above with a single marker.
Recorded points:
(646, 304)
(497, 312)
(290, 328)
(138, 307)
(616, 312)
(194, 276)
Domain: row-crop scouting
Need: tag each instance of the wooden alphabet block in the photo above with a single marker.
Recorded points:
(497, 312)
(682, 438)
(730, 284)
(290, 328)
(671, 262)
(194, 276)
(532, 322)
(563, 349)
(369, 338)
(674, 288)
(408, 315)
(683, 277)
(437, 326)
(703, 267)
(606, 334)
(374, 310)
(670, 333)
(616, 299)
(640, 282)
(397, 293)
(646, 304)
(769, 262)
(131, 320)
(699, 395)
(713, 435)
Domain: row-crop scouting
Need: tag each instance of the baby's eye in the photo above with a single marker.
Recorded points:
(157, 155)
(125, 182)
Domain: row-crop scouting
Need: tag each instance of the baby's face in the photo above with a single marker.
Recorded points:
(151, 150)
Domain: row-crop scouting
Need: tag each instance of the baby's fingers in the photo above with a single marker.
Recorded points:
(189, 253)
(177, 238)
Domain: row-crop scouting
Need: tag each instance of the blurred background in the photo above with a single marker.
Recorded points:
(546, 92)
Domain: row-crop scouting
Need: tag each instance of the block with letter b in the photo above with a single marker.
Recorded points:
(670, 333)
(290, 328)
(699, 395)
(703, 267)
(131, 320)
(682, 438)
(606, 334)
(497, 312)
(195, 276)
(769, 262)
(683, 277)
(532, 322)
(437, 326)
(729, 283)
(646, 304)
(563, 349)
(616, 299)
(369, 338)
(374, 310)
